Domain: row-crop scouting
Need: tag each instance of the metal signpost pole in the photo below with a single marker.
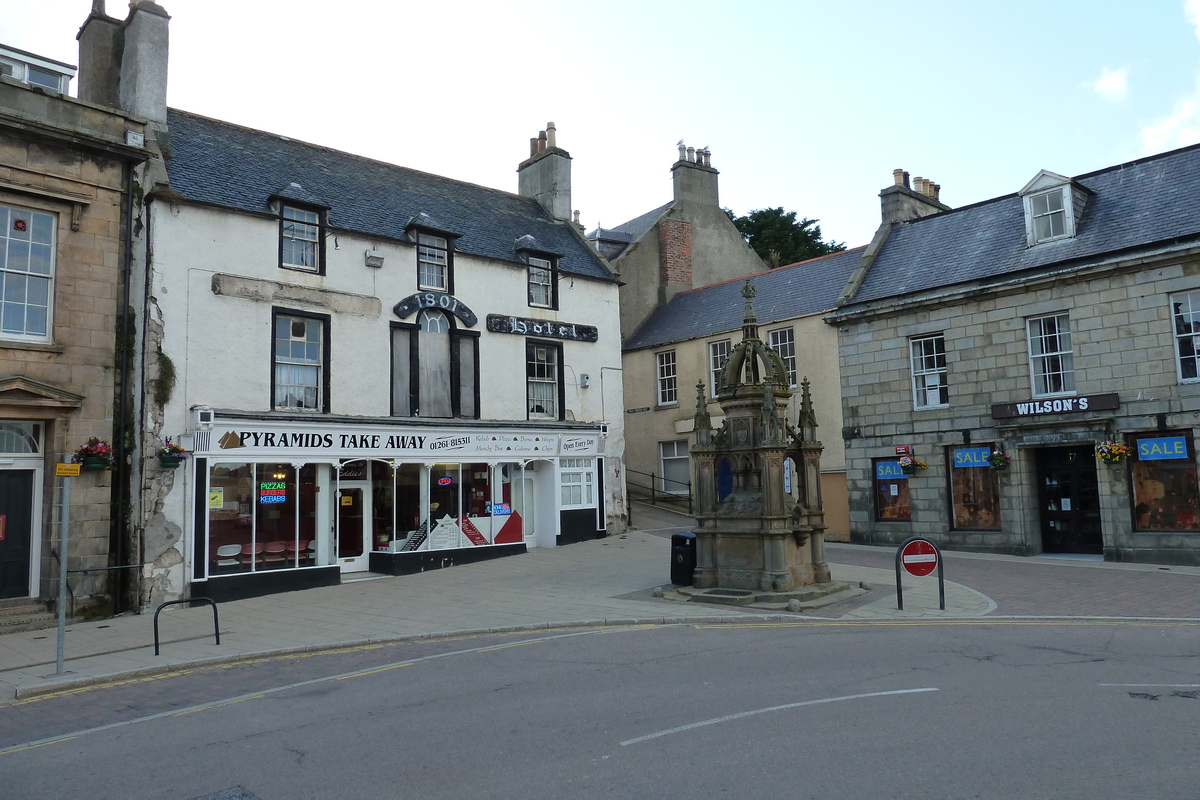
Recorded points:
(64, 523)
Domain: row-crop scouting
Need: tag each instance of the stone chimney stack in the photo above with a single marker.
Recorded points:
(99, 58)
(904, 201)
(124, 64)
(694, 179)
(546, 174)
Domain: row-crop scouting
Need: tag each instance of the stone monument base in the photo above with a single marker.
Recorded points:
(811, 596)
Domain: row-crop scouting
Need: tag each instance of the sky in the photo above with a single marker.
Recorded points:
(805, 105)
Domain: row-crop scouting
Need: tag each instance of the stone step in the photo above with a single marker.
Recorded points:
(21, 607)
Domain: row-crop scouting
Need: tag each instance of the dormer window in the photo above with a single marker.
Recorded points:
(541, 266)
(433, 263)
(1053, 204)
(541, 282)
(300, 239)
(1049, 216)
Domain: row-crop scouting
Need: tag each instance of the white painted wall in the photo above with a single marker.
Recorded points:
(221, 344)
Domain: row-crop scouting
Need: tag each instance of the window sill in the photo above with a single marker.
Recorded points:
(941, 407)
(1055, 395)
(305, 270)
(42, 347)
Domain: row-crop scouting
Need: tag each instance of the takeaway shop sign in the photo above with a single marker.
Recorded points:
(1059, 405)
(388, 443)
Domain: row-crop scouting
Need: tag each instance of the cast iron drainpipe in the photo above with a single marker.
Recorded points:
(123, 400)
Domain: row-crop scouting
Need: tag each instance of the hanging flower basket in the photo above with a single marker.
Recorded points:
(171, 455)
(999, 460)
(1111, 452)
(910, 465)
(94, 455)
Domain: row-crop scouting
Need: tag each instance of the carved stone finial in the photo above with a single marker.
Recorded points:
(748, 291)
(703, 422)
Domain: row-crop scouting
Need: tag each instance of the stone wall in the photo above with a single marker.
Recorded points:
(1122, 342)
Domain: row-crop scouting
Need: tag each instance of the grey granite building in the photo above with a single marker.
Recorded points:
(1002, 344)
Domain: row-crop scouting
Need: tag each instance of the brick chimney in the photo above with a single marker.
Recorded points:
(674, 257)
(546, 174)
(124, 64)
(693, 178)
(901, 202)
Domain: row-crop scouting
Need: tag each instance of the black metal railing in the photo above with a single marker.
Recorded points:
(658, 488)
(209, 600)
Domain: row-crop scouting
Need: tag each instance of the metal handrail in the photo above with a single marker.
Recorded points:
(654, 491)
(209, 600)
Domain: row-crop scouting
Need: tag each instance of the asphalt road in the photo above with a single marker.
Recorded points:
(987, 709)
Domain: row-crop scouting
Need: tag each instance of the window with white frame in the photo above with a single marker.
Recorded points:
(300, 239)
(300, 363)
(541, 283)
(577, 481)
(667, 387)
(783, 342)
(718, 354)
(56, 80)
(1051, 364)
(1185, 308)
(433, 263)
(27, 250)
(542, 380)
(676, 472)
(928, 355)
(1049, 215)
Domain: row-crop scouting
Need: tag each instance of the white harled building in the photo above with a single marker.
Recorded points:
(373, 368)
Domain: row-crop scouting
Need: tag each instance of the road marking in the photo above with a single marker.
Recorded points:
(40, 744)
(1153, 685)
(177, 712)
(504, 646)
(1146, 622)
(682, 728)
(376, 671)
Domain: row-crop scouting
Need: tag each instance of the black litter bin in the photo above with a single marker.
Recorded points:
(683, 558)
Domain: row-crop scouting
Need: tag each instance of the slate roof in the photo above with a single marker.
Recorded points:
(227, 165)
(1135, 205)
(808, 287)
(634, 229)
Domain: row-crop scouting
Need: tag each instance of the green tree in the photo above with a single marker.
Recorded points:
(779, 238)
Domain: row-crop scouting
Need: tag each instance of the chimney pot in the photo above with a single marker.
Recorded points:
(907, 184)
(682, 151)
(919, 185)
(533, 145)
(541, 141)
(691, 155)
(937, 191)
(551, 138)
(898, 177)
(707, 157)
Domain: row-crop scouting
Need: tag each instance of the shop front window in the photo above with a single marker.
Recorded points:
(974, 489)
(1164, 482)
(261, 517)
(891, 491)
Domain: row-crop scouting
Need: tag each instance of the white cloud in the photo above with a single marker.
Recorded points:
(1113, 84)
(1191, 10)
(1182, 126)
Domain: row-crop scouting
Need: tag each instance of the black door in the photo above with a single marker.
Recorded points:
(1069, 500)
(16, 503)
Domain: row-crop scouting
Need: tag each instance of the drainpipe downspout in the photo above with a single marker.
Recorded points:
(122, 488)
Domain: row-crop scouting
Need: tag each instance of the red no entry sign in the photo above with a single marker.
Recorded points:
(919, 558)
